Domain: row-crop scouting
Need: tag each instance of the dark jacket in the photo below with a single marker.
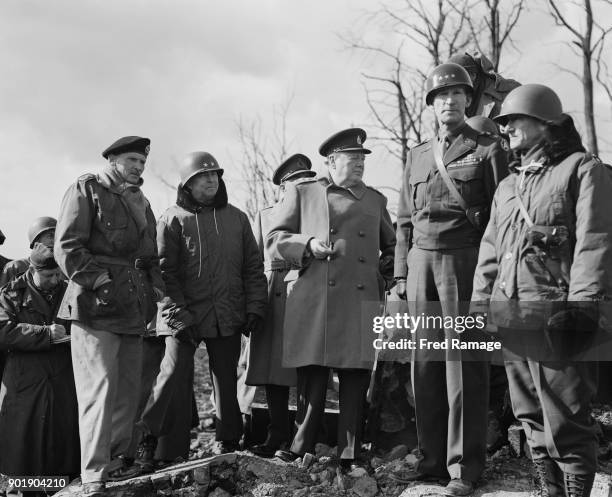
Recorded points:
(97, 233)
(526, 276)
(38, 407)
(211, 266)
(12, 269)
(428, 215)
(331, 302)
(490, 91)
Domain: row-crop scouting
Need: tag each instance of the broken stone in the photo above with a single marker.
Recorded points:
(365, 487)
(325, 459)
(411, 459)
(398, 452)
(302, 492)
(376, 462)
(259, 468)
(307, 460)
(202, 475)
(314, 477)
(219, 492)
(339, 480)
(358, 473)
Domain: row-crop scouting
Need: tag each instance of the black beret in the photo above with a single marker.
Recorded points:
(348, 140)
(128, 144)
(296, 164)
(41, 257)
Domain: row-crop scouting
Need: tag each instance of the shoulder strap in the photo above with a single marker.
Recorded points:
(445, 177)
(521, 206)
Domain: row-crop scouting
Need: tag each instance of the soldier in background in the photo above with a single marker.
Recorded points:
(339, 234)
(38, 407)
(489, 88)
(41, 231)
(106, 245)
(266, 348)
(448, 186)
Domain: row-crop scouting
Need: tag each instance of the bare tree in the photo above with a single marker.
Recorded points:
(261, 154)
(491, 26)
(396, 97)
(588, 44)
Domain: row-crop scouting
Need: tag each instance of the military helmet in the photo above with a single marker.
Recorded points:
(531, 100)
(444, 76)
(39, 226)
(197, 163)
(482, 124)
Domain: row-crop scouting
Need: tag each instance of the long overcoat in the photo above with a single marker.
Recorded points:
(331, 302)
(39, 432)
(266, 346)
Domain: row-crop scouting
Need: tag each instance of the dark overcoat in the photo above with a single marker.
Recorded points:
(38, 407)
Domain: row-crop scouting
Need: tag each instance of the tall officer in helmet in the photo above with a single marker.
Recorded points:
(446, 194)
(266, 348)
(41, 231)
(216, 290)
(106, 245)
(545, 267)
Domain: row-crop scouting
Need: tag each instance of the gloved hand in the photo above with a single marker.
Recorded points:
(572, 320)
(253, 325)
(184, 334)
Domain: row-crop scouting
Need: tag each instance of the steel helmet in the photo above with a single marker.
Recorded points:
(39, 226)
(531, 100)
(197, 163)
(445, 75)
(482, 124)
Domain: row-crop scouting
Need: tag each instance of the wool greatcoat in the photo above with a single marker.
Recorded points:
(266, 347)
(325, 319)
(38, 406)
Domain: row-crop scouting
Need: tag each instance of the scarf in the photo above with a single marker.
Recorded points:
(131, 194)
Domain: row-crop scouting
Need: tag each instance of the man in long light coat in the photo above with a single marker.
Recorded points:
(339, 233)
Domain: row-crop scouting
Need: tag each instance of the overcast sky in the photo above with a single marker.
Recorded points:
(78, 74)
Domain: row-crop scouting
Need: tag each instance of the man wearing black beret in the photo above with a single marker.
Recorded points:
(106, 245)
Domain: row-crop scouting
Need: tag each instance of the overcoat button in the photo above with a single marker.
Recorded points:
(361, 233)
(360, 287)
(333, 231)
(331, 282)
(361, 259)
(278, 294)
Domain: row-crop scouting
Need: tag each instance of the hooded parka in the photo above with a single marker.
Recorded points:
(211, 266)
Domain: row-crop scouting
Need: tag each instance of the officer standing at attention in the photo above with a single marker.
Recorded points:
(106, 245)
(446, 194)
(339, 233)
(266, 348)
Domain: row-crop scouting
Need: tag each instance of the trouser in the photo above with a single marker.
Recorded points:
(223, 355)
(277, 397)
(552, 401)
(107, 375)
(168, 409)
(312, 388)
(450, 392)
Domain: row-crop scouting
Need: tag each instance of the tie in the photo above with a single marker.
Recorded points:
(444, 144)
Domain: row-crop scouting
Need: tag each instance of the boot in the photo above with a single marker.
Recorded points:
(145, 454)
(548, 478)
(578, 485)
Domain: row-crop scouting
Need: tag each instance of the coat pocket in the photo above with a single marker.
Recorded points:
(418, 187)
